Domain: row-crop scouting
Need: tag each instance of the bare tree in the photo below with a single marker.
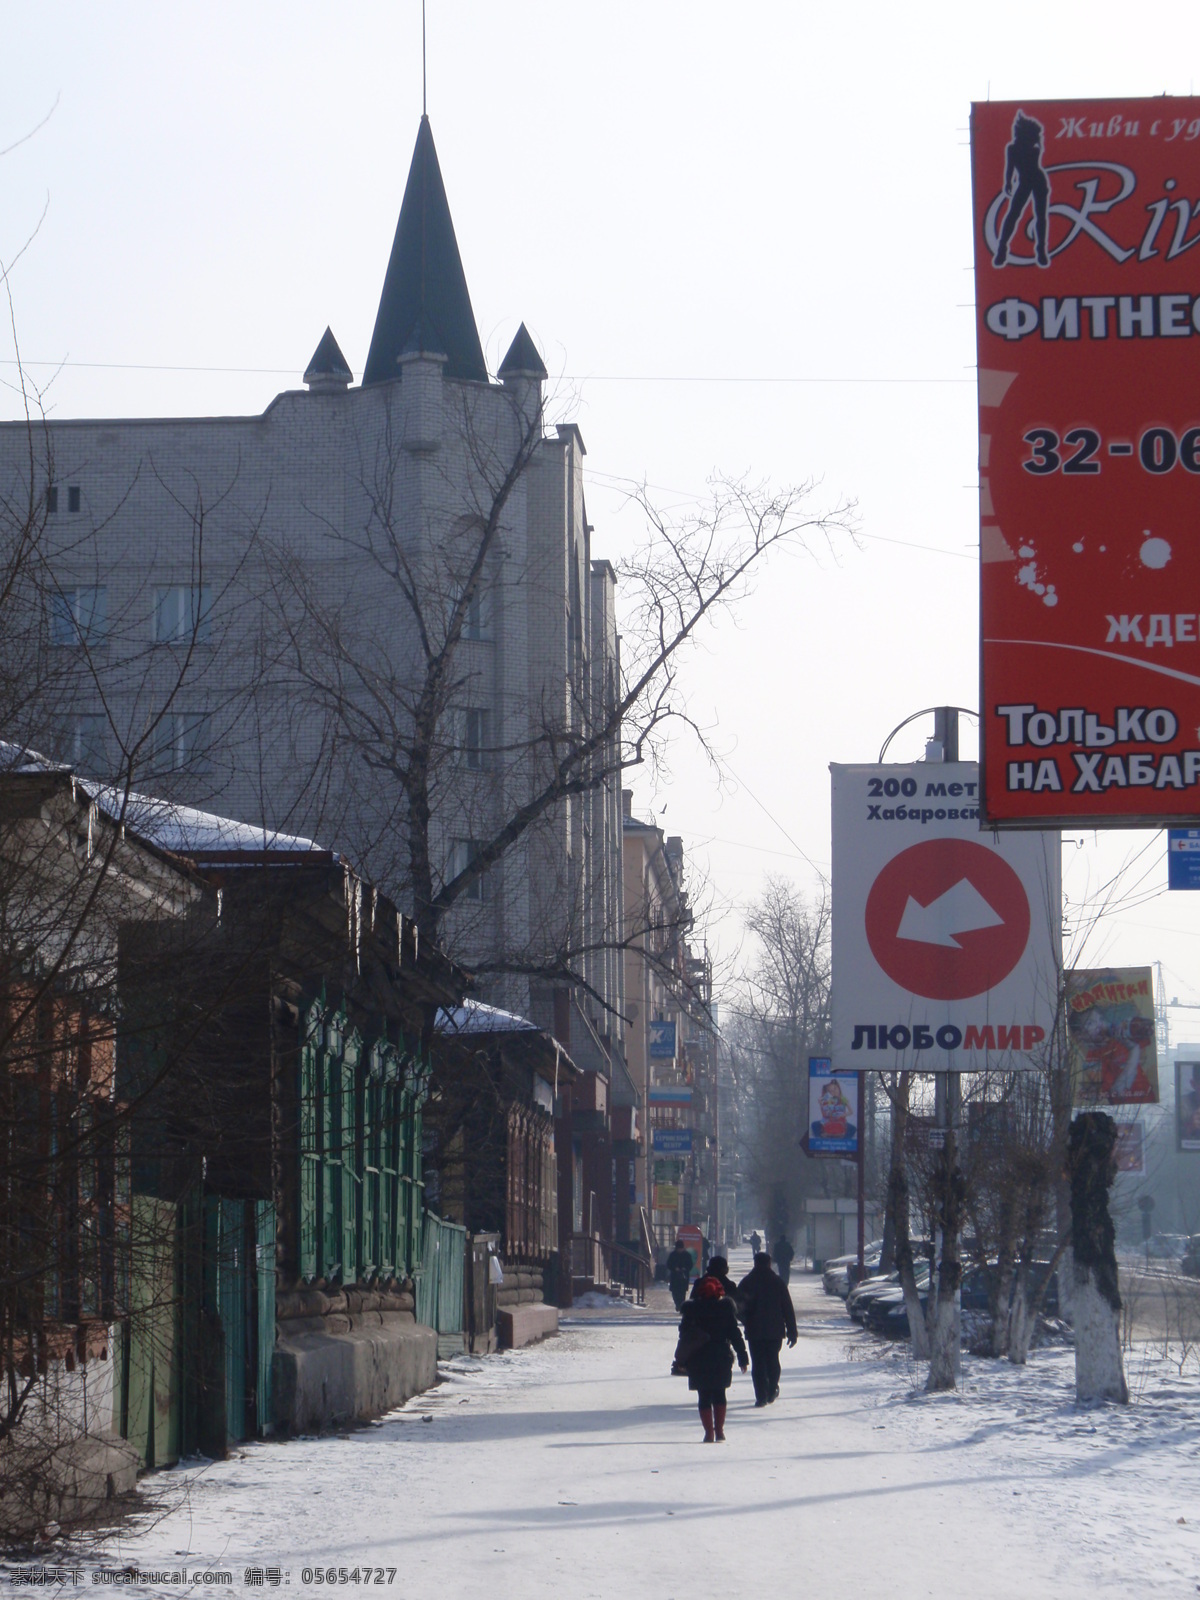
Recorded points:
(448, 792)
(780, 1017)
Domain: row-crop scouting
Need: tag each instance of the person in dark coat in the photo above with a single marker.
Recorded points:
(718, 1268)
(768, 1314)
(679, 1273)
(784, 1255)
(756, 1241)
(710, 1364)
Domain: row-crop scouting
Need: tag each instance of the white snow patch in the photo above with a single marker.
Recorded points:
(535, 1474)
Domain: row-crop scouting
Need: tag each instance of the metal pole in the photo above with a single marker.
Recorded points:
(862, 1176)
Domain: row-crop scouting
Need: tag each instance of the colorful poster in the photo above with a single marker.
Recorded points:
(1111, 1036)
(1130, 1153)
(832, 1109)
(1187, 1103)
(1087, 218)
(946, 940)
(666, 1197)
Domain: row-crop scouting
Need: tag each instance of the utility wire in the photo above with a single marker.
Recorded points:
(568, 377)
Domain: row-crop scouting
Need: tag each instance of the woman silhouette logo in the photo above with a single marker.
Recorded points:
(1024, 181)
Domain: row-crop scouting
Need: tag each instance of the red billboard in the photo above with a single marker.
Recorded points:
(1087, 284)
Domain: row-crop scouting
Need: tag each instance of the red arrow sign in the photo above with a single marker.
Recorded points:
(947, 919)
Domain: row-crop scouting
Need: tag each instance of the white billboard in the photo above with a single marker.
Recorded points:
(946, 940)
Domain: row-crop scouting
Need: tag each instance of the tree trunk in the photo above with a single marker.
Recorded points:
(1020, 1319)
(1004, 1299)
(1096, 1299)
(945, 1331)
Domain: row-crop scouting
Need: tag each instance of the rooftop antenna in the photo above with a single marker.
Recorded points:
(424, 103)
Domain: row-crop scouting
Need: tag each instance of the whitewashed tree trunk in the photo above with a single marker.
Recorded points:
(1096, 1299)
(945, 1344)
(1003, 1304)
(1020, 1320)
(1099, 1369)
(916, 1316)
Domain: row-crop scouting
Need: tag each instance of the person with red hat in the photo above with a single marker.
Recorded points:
(708, 1338)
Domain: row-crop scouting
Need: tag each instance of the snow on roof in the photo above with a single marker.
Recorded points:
(20, 758)
(474, 1017)
(185, 831)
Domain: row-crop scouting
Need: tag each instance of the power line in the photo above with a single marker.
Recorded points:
(803, 854)
(568, 377)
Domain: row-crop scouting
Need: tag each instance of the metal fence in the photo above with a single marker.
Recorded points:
(440, 1279)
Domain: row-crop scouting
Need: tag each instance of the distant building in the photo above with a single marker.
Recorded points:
(671, 1037)
(228, 597)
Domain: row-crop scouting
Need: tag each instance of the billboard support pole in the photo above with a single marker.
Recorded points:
(862, 1173)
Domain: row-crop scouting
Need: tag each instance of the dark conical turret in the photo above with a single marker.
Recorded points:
(328, 368)
(523, 359)
(425, 282)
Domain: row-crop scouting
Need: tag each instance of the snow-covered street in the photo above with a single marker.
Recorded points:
(576, 1469)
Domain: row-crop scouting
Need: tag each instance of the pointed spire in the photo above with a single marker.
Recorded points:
(425, 280)
(523, 360)
(328, 368)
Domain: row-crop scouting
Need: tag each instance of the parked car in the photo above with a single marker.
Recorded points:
(864, 1296)
(1167, 1246)
(835, 1277)
(863, 1293)
(889, 1316)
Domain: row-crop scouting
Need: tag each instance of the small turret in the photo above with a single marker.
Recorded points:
(328, 372)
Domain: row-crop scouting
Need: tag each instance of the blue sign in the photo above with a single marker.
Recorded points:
(662, 1041)
(672, 1141)
(1183, 858)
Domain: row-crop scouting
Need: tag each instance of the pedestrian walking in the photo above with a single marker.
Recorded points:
(708, 1338)
(756, 1241)
(718, 1268)
(768, 1315)
(679, 1273)
(784, 1256)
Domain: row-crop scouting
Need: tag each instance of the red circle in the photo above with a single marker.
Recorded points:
(978, 958)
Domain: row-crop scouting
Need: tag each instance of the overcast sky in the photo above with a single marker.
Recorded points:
(741, 237)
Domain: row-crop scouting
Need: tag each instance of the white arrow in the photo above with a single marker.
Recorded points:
(962, 909)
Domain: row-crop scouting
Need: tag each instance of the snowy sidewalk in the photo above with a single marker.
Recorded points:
(575, 1469)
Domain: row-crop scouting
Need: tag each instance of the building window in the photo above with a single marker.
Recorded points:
(473, 622)
(477, 739)
(84, 743)
(180, 741)
(182, 614)
(79, 615)
(73, 499)
(462, 854)
(52, 499)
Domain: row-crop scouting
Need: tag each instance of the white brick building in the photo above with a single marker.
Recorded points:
(240, 611)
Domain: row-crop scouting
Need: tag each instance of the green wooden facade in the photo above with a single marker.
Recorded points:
(360, 1194)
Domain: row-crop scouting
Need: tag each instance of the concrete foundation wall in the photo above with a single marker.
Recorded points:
(520, 1325)
(64, 1458)
(322, 1379)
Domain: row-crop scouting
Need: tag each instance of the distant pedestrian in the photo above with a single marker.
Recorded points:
(784, 1255)
(756, 1241)
(679, 1272)
(708, 1337)
(718, 1268)
(767, 1313)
